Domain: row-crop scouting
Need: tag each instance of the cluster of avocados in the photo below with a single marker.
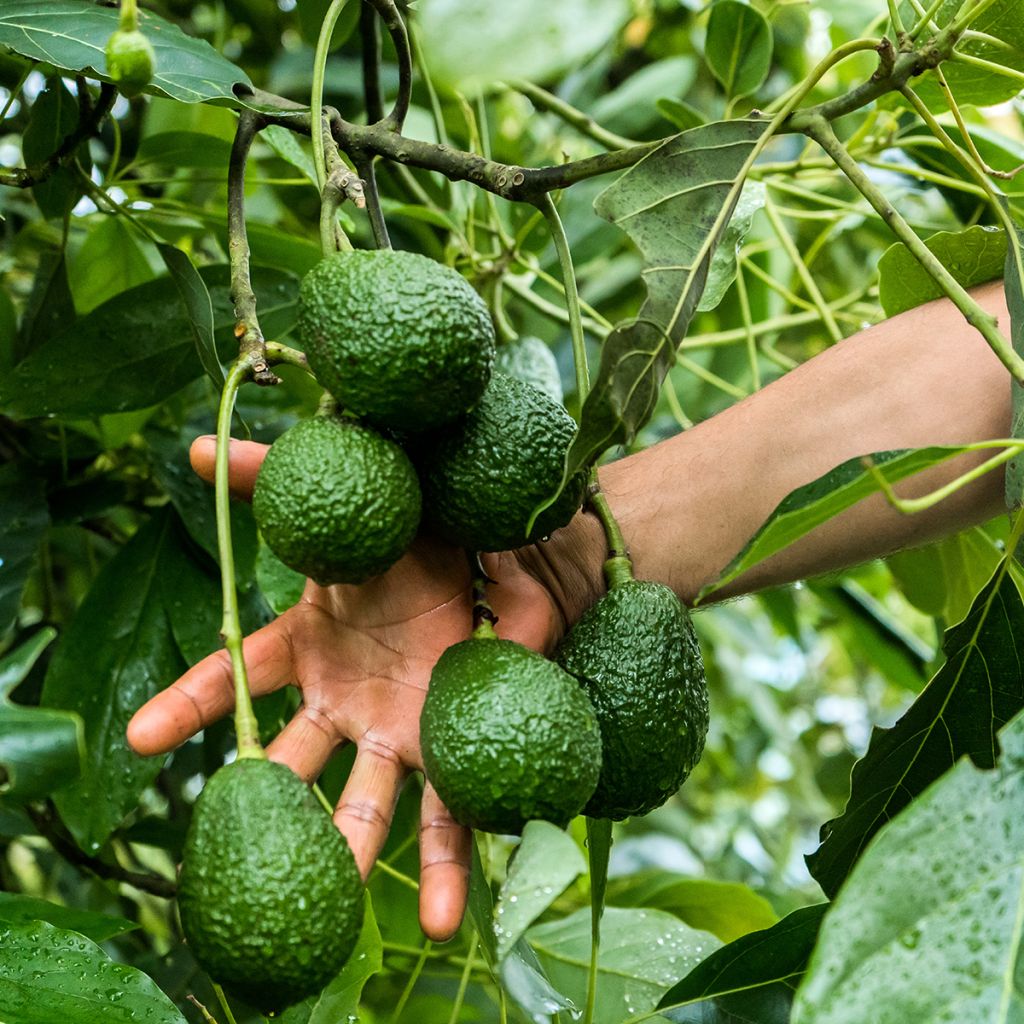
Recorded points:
(427, 434)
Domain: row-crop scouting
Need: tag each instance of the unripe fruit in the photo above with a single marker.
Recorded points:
(130, 61)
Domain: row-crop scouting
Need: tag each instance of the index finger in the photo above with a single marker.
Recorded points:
(244, 461)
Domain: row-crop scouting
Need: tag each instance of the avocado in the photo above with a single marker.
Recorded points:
(395, 337)
(508, 737)
(130, 61)
(269, 894)
(637, 657)
(483, 476)
(529, 359)
(336, 501)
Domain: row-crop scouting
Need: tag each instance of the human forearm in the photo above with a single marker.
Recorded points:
(689, 504)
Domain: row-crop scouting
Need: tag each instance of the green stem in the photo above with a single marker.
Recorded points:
(460, 995)
(246, 727)
(897, 20)
(224, 1005)
(618, 568)
(991, 66)
(411, 982)
(280, 353)
(821, 131)
(968, 14)
(583, 123)
(483, 614)
(129, 20)
(316, 99)
(925, 19)
(572, 297)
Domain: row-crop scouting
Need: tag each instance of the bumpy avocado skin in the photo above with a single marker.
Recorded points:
(270, 897)
(508, 737)
(483, 476)
(529, 359)
(336, 501)
(637, 657)
(396, 337)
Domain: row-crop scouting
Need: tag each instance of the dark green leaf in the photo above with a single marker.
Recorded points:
(72, 36)
(136, 349)
(48, 974)
(723, 263)
(1014, 286)
(977, 690)
(682, 115)
(546, 862)
(54, 116)
(51, 307)
(23, 521)
(8, 332)
(40, 750)
(642, 953)
(311, 17)
(109, 261)
(195, 297)
(814, 503)
(760, 958)
(117, 653)
(726, 909)
(972, 257)
(287, 146)
(766, 1004)
(738, 47)
(930, 924)
(185, 149)
(281, 586)
(16, 908)
(675, 204)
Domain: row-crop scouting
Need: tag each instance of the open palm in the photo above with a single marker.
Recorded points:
(361, 657)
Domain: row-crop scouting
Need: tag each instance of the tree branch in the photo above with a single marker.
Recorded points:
(392, 18)
(370, 35)
(90, 118)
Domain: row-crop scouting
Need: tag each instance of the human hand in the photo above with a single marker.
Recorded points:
(362, 657)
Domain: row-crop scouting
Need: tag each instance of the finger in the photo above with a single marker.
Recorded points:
(306, 743)
(244, 461)
(445, 855)
(206, 692)
(367, 803)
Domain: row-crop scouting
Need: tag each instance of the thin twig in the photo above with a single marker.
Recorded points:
(393, 22)
(369, 32)
(364, 165)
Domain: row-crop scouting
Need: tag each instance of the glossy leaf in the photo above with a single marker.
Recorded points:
(726, 909)
(136, 349)
(24, 518)
(1013, 279)
(642, 953)
(54, 116)
(723, 263)
(71, 35)
(811, 505)
(973, 256)
(546, 862)
(738, 47)
(109, 261)
(762, 958)
(930, 925)
(51, 306)
(49, 974)
(40, 750)
(17, 908)
(977, 690)
(676, 205)
(117, 653)
(281, 586)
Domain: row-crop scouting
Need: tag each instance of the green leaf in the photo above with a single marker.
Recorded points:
(676, 205)
(738, 47)
(762, 958)
(973, 257)
(195, 297)
(723, 263)
(943, 579)
(24, 518)
(136, 349)
(117, 653)
(54, 116)
(339, 1001)
(642, 953)
(682, 115)
(726, 909)
(1013, 279)
(546, 862)
(811, 505)
(109, 261)
(40, 750)
(48, 974)
(281, 586)
(185, 149)
(16, 908)
(470, 47)
(311, 17)
(51, 306)
(977, 690)
(930, 925)
(285, 144)
(969, 84)
(8, 332)
(72, 36)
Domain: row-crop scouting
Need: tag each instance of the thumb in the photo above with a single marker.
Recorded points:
(244, 460)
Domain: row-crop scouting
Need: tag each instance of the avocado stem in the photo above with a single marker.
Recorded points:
(483, 614)
(129, 19)
(246, 727)
(618, 568)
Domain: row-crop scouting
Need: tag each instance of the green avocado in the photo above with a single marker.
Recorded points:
(130, 61)
(508, 737)
(269, 894)
(483, 476)
(636, 655)
(396, 337)
(336, 501)
(529, 359)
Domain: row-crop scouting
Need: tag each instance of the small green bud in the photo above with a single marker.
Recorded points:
(130, 61)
